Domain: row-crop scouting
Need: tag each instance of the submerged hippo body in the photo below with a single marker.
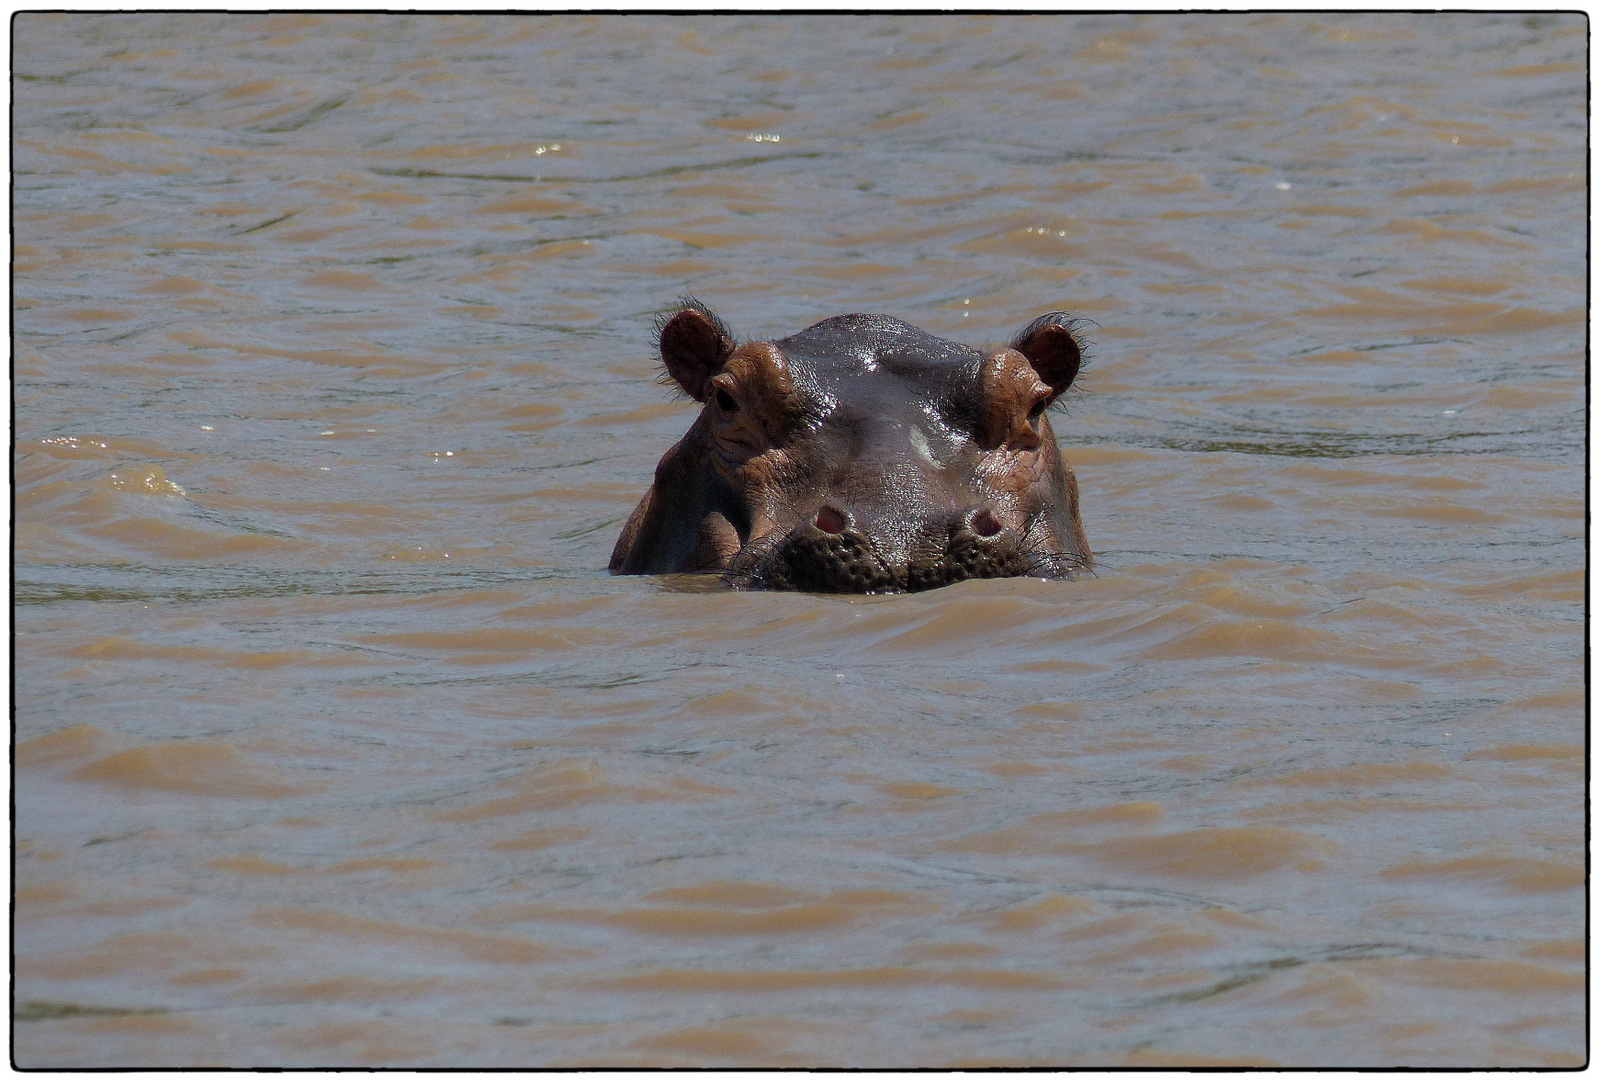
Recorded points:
(861, 455)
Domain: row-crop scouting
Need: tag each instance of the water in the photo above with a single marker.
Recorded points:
(336, 745)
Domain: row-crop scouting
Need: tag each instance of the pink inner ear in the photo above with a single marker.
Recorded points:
(693, 350)
(1054, 355)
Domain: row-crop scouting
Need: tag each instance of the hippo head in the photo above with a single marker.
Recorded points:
(861, 455)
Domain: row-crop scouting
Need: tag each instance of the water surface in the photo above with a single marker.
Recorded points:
(337, 746)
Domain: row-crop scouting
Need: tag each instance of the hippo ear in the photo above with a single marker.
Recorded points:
(694, 344)
(1051, 349)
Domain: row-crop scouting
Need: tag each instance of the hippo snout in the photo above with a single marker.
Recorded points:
(831, 553)
(973, 544)
(826, 554)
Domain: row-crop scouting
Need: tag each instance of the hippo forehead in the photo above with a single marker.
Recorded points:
(879, 366)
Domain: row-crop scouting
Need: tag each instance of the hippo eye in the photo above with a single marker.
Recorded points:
(1038, 409)
(725, 401)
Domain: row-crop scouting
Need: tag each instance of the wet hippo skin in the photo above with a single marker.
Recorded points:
(861, 455)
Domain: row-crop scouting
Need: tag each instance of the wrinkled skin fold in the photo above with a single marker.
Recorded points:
(861, 455)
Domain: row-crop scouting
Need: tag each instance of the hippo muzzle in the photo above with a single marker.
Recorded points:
(819, 558)
(862, 455)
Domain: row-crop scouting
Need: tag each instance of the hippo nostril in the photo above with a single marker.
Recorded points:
(984, 524)
(831, 520)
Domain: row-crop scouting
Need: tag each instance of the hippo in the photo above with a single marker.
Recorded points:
(861, 455)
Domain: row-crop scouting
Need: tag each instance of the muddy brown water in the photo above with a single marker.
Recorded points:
(336, 745)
